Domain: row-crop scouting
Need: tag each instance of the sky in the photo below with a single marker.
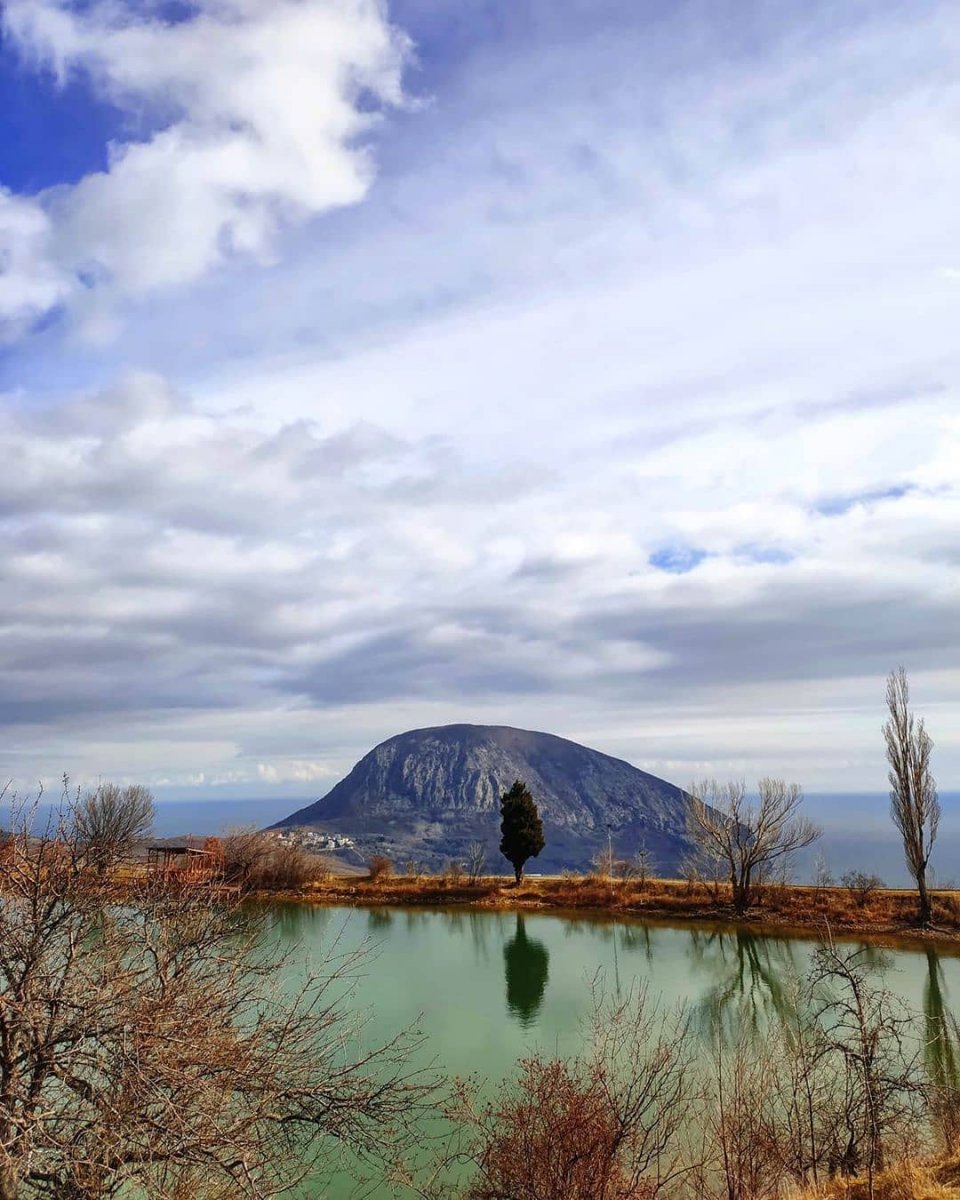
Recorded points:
(582, 365)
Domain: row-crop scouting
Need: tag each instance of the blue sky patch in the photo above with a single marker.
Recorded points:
(677, 560)
(836, 506)
(771, 555)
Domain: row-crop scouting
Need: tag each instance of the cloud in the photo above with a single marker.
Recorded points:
(296, 771)
(30, 282)
(190, 580)
(622, 301)
(249, 118)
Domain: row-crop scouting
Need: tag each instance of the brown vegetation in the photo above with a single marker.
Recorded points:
(145, 1049)
(938, 1179)
(380, 868)
(261, 862)
(603, 1126)
(827, 1103)
(792, 907)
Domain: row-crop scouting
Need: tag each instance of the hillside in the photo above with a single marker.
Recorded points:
(426, 795)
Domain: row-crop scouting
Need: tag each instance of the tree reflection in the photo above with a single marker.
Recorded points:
(754, 981)
(942, 1042)
(294, 922)
(638, 937)
(479, 930)
(525, 962)
(478, 925)
(379, 920)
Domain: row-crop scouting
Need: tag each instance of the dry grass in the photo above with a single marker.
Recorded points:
(791, 907)
(905, 1181)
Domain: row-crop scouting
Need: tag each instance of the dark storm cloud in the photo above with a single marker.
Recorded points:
(797, 632)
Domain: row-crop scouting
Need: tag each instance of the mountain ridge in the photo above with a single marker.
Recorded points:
(425, 794)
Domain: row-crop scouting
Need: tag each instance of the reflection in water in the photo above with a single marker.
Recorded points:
(637, 937)
(753, 981)
(379, 920)
(464, 921)
(942, 1042)
(479, 928)
(525, 961)
(295, 922)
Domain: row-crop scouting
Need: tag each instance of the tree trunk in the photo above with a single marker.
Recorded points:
(741, 892)
(518, 873)
(925, 910)
(9, 1184)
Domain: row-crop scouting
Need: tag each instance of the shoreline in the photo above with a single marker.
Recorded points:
(787, 910)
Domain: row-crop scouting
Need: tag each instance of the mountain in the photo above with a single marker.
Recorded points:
(426, 795)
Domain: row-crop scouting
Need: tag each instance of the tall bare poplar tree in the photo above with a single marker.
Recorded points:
(914, 804)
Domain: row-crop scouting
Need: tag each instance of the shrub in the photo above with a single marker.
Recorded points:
(289, 866)
(950, 903)
(380, 867)
(861, 887)
(602, 863)
(604, 1126)
(153, 1048)
(453, 872)
(244, 851)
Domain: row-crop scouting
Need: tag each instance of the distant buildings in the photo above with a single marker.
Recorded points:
(314, 839)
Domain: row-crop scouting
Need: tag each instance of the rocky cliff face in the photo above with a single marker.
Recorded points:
(426, 795)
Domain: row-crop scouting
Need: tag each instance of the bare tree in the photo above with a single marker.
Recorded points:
(111, 820)
(644, 863)
(148, 1049)
(749, 838)
(739, 1156)
(822, 876)
(476, 861)
(914, 804)
(871, 1032)
(603, 862)
(834, 1089)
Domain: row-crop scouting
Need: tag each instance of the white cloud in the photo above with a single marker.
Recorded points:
(257, 115)
(296, 771)
(204, 586)
(30, 283)
(605, 312)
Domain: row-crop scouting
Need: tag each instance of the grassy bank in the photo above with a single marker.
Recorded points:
(789, 907)
(939, 1180)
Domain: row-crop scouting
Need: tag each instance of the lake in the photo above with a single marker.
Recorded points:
(488, 987)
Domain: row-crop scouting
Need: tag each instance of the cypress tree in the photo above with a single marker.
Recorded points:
(520, 827)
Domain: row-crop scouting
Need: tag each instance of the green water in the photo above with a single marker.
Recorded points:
(486, 988)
